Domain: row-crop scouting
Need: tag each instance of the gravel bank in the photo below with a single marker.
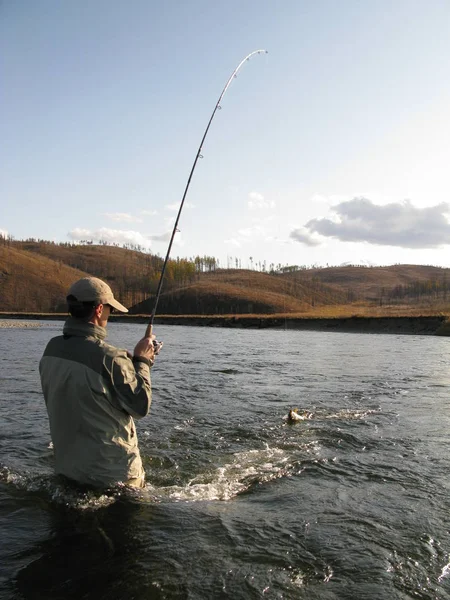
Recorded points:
(18, 324)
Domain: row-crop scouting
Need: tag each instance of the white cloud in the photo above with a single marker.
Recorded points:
(333, 199)
(280, 241)
(256, 201)
(326, 200)
(163, 237)
(3, 233)
(394, 224)
(149, 213)
(233, 242)
(361, 261)
(303, 236)
(169, 222)
(176, 206)
(123, 218)
(253, 231)
(246, 235)
(256, 196)
(117, 236)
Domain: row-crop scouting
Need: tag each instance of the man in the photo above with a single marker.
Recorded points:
(93, 391)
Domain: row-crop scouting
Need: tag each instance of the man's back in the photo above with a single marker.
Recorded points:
(92, 391)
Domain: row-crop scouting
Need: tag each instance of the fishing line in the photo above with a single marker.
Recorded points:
(198, 155)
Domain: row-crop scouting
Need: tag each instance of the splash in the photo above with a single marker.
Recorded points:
(50, 489)
(235, 477)
(352, 414)
(445, 572)
(244, 470)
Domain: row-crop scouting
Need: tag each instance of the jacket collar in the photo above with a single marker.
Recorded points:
(79, 328)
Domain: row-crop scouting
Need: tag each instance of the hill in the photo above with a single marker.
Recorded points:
(243, 292)
(381, 285)
(132, 274)
(35, 276)
(30, 283)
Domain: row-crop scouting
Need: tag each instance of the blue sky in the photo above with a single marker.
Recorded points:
(332, 148)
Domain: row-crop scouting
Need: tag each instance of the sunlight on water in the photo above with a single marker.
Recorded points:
(349, 502)
(49, 489)
(226, 482)
(445, 572)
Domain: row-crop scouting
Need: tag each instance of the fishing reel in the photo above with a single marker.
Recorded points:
(157, 346)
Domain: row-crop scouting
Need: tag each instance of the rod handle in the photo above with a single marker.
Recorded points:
(149, 330)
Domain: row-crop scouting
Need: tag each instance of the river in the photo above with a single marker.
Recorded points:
(239, 504)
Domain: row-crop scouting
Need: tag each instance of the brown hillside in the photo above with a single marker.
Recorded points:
(242, 292)
(368, 283)
(308, 291)
(221, 298)
(35, 276)
(92, 258)
(33, 283)
(131, 273)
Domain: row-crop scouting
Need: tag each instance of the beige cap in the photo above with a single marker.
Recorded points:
(92, 289)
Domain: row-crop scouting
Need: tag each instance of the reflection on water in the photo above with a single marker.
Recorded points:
(350, 503)
(84, 553)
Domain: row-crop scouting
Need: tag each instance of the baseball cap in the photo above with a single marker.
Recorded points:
(92, 289)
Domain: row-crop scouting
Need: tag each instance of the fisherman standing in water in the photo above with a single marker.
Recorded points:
(93, 391)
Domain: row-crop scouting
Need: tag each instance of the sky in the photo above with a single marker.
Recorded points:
(332, 148)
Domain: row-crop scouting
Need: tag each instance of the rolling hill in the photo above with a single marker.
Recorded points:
(35, 276)
(33, 283)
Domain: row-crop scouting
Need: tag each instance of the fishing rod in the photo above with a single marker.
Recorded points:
(148, 332)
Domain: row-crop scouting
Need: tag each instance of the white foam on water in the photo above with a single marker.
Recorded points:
(225, 482)
(445, 572)
(185, 425)
(352, 414)
(230, 479)
(47, 487)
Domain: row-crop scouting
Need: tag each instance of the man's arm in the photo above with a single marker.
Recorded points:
(132, 385)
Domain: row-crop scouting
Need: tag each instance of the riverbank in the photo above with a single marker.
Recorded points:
(430, 325)
(16, 323)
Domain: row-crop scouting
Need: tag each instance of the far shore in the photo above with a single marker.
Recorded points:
(414, 325)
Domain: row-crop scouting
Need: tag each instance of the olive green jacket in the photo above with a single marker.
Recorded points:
(92, 392)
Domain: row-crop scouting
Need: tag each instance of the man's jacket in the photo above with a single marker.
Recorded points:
(93, 391)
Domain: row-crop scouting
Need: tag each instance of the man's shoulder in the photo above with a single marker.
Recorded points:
(90, 352)
(68, 344)
(113, 351)
(53, 342)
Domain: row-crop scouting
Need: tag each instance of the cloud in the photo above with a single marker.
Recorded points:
(253, 231)
(361, 262)
(149, 213)
(233, 242)
(3, 233)
(169, 222)
(256, 202)
(176, 206)
(256, 196)
(327, 200)
(394, 224)
(117, 236)
(123, 218)
(303, 236)
(164, 237)
(246, 235)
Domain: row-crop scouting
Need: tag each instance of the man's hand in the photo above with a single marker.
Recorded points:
(144, 348)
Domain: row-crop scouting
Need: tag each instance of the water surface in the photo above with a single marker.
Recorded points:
(352, 503)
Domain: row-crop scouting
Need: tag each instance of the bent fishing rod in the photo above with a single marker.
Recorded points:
(148, 332)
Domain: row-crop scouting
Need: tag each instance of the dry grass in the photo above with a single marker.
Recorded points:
(344, 311)
(368, 282)
(35, 277)
(28, 281)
